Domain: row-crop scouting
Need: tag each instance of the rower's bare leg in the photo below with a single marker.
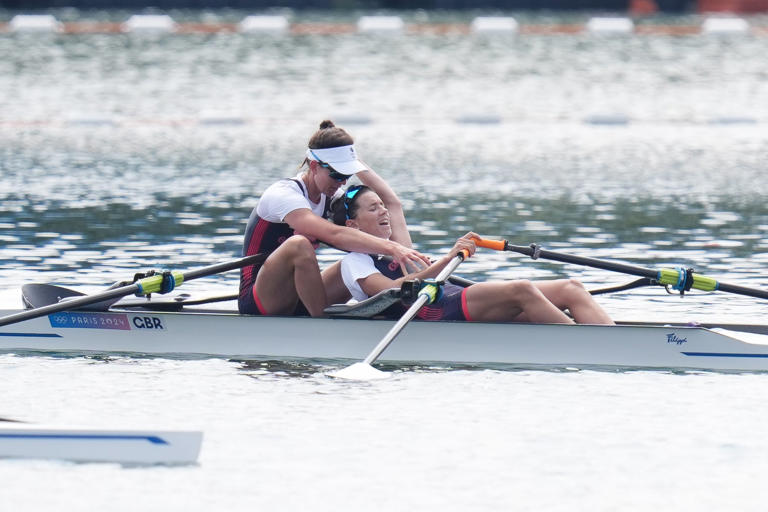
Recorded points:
(505, 301)
(570, 294)
(289, 274)
(335, 289)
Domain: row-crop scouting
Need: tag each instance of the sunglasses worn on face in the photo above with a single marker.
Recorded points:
(332, 173)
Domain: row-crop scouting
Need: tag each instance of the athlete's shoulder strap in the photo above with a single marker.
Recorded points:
(300, 184)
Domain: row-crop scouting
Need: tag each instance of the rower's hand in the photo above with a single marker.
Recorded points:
(465, 243)
(409, 258)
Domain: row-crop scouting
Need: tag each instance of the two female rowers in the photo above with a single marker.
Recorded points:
(369, 222)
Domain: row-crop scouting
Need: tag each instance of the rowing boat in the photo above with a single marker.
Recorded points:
(129, 447)
(58, 322)
(222, 333)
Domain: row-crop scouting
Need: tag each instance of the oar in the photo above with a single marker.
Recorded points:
(37, 295)
(152, 284)
(364, 370)
(678, 278)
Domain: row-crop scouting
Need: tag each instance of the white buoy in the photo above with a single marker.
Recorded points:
(479, 119)
(494, 24)
(724, 26)
(266, 24)
(600, 25)
(220, 117)
(381, 24)
(733, 119)
(149, 23)
(607, 119)
(34, 23)
(343, 118)
(90, 119)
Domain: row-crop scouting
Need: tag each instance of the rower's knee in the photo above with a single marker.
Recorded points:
(299, 249)
(520, 291)
(574, 288)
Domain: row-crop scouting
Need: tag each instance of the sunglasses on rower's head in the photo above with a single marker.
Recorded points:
(332, 173)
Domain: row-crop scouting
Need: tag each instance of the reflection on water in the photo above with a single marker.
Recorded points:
(279, 369)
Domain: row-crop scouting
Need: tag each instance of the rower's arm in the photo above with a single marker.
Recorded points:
(306, 223)
(377, 282)
(397, 221)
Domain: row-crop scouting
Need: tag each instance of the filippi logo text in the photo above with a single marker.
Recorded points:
(673, 338)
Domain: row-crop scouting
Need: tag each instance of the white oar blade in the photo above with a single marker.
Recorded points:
(359, 371)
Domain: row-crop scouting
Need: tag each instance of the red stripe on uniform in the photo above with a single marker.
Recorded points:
(430, 314)
(253, 247)
(464, 307)
(257, 236)
(258, 303)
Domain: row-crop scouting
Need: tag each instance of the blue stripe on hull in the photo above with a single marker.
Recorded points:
(89, 437)
(29, 335)
(721, 354)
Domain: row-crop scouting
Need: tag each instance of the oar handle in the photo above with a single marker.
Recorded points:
(496, 245)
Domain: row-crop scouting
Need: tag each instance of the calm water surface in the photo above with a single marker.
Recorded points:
(106, 169)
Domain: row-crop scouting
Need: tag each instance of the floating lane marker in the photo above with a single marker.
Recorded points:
(494, 25)
(600, 25)
(381, 24)
(219, 118)
(351, 118)
(34, 23)
(90, 119)
(607, 119)
(724, 26)
(479, 119)
(264, 24)
(733, 120)
(149, 23)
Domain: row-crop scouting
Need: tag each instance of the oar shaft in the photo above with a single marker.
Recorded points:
(395, 330)
(225, 266)
(122, 291)
(69, 304)
(581, 260)
(421, 300)
(663, 276)
(742, 290)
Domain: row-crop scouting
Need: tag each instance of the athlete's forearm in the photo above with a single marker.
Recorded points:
(353, 240)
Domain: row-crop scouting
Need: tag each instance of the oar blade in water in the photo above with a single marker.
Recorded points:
(359, 371)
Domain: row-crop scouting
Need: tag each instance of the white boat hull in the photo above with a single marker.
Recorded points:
(98, 445)
(225, 334)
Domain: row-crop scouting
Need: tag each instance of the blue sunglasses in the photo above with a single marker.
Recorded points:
(349, 197)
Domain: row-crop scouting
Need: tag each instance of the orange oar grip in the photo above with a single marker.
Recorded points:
(496, 245)
(465, 254)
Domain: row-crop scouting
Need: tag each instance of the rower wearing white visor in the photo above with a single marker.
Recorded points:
(291, 219)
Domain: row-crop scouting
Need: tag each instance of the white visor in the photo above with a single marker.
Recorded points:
(342, 159)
